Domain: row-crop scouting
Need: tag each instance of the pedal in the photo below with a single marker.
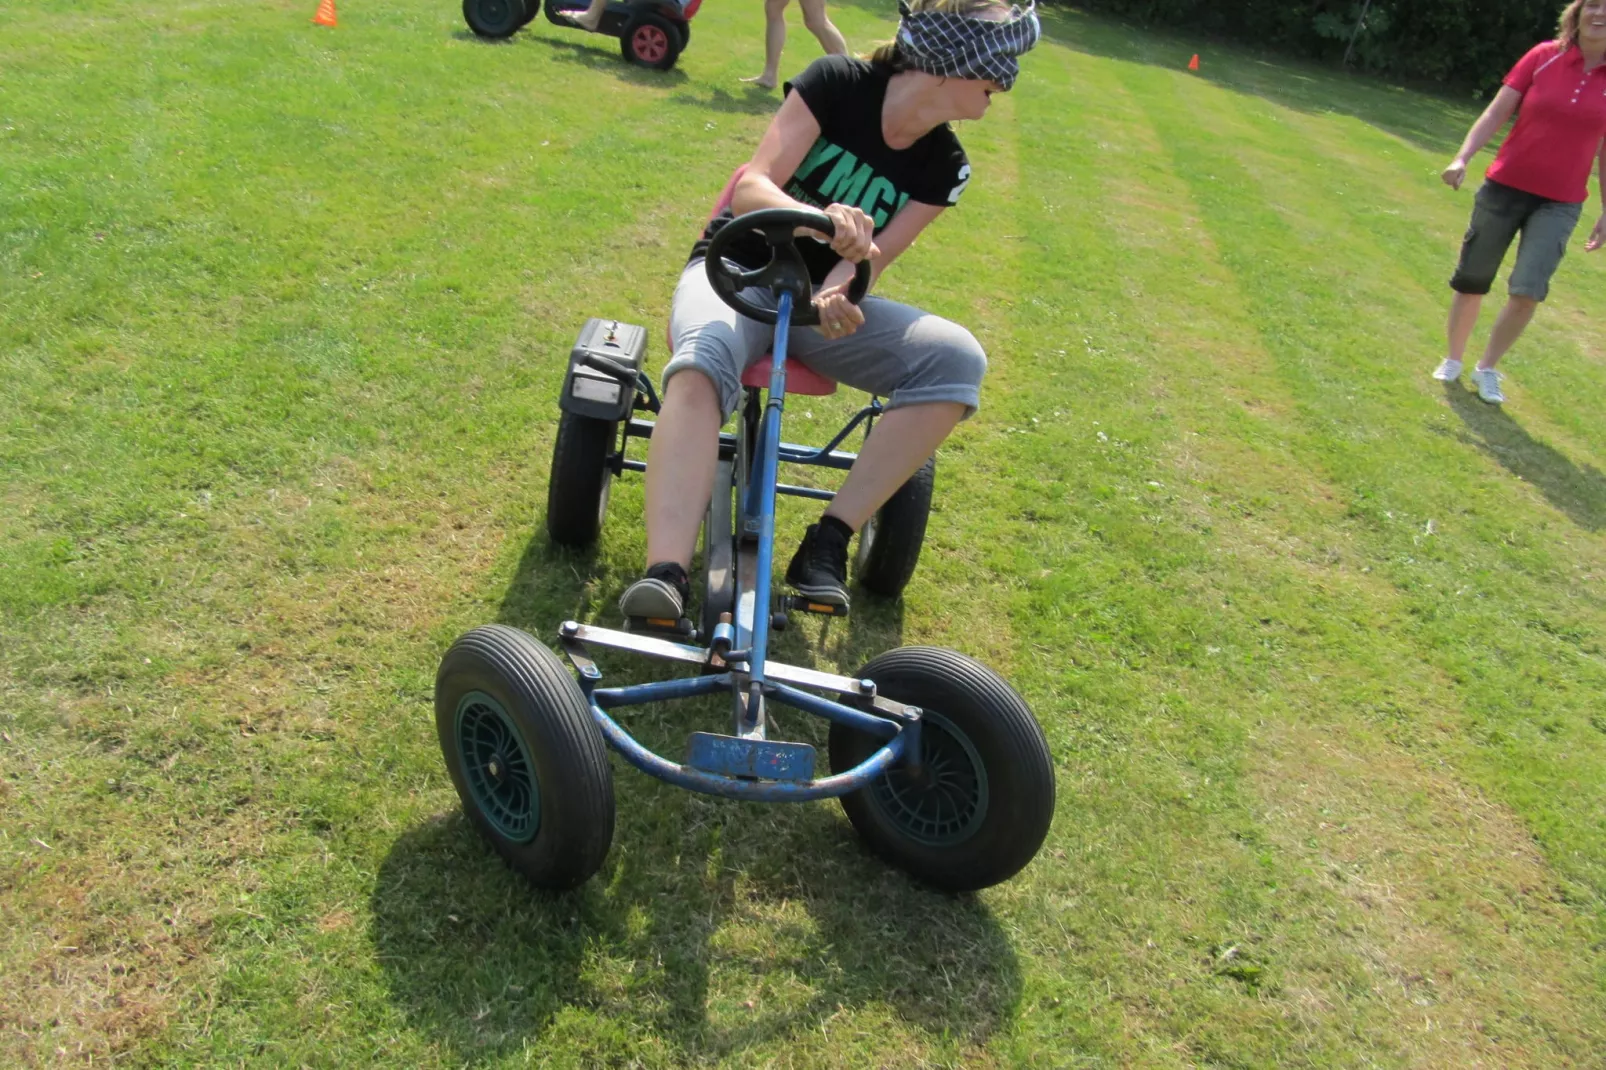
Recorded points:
(672, 629)
(763, 759)
(808, 605)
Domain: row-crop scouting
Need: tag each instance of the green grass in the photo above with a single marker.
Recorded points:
(1317, 644)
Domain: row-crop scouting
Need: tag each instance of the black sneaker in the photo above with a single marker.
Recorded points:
(662, 594)
(819, 569)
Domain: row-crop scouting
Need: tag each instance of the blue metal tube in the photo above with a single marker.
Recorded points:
(754, 790)
(661, 691)
(769, 455)
(834, 711)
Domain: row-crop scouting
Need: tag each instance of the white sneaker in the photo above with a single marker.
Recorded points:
(1448, 372)
(1487, 380)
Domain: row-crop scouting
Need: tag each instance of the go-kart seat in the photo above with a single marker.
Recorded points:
(800, 378)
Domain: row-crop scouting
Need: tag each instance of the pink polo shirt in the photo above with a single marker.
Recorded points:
(1560, 122)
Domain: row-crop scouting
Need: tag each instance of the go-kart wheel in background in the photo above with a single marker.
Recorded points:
(652, 41)
(528, 762)
(577, 490)
(532, 8)
(494, 18)
(685, 34)
(981, 804)
(889, 543)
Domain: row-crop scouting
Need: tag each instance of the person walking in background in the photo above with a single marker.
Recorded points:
(818, 23)
(1537, 185)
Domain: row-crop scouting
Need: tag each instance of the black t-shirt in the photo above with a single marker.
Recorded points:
(851, 163)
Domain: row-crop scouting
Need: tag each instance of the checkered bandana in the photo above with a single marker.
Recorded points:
(960, 46)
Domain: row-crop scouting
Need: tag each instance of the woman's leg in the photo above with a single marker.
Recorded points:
(820, 25)
(1508, 327)
(774, 41)
(1545, 233)
(895, 450)
(682, 459)
(1463, 317)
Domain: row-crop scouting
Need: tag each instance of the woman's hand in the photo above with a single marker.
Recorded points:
(855, 233)
(1455, 173)
(1597, 237)
(839, 317)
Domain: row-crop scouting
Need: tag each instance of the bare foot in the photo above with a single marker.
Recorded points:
(763, 81)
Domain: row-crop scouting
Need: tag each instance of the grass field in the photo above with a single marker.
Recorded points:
(1317, 643)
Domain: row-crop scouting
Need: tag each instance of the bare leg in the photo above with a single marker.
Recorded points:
(1508, 327)
(681, 462)
(591, 17)
(820, 25)
(1463, 317)
(899, 445)
(774, 41)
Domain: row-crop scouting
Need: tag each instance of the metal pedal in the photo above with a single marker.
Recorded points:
(678, 629)
(808, 605)
(763, 759)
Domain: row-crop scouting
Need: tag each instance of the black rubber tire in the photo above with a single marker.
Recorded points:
(965, 704)
(577, 489)
(889, 545)
(685, 34)
(654, 30)
(541, 705)
(495, 19)
(532, 8)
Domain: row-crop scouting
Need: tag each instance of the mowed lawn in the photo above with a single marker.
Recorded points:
(1317, 643)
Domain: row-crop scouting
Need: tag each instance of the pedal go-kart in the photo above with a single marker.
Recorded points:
(938, 762)
(652, 33)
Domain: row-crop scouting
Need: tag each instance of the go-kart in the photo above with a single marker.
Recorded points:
(652, 33)
(938, 762)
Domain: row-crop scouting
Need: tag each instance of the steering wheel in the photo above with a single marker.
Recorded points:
(786, 269)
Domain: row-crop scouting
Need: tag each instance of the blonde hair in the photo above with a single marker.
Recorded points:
(892, 56)
(1567, 25)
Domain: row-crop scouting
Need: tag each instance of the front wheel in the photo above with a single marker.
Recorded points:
(980, 805)
(577, 489)
(889, 543)
(652, 41)
(494, 18)
(528, 762)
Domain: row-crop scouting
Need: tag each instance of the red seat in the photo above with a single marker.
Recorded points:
(800, 378)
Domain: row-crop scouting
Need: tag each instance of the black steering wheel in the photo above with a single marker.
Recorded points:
(786, 269)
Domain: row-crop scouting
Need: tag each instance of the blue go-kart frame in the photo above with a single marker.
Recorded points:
(951, 779)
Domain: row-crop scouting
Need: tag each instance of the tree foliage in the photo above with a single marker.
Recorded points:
(1472, 43)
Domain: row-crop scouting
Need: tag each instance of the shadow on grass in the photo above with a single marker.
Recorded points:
(1430, 122)
(714, 926)
(588, 54)
(1580, 492)
(752, 101)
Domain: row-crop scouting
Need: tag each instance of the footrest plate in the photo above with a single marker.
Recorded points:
(682, 629)
(763, 759)
(804, 604)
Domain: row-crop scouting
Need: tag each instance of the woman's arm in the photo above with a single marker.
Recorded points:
(1597, 237)
(1496, 115)
(791, 134)
(838, 316)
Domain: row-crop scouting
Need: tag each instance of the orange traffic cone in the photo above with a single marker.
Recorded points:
(326, 13)
(1193, 64)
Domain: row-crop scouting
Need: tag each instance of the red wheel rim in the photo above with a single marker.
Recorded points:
(650, 43)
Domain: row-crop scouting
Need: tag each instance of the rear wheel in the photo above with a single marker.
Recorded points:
(525, 756)
(494, 18)
(890, 542)
(577, 489)
(652, 41)
(980, 805)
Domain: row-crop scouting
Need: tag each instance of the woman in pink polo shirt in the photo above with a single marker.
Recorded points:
(1537, 185)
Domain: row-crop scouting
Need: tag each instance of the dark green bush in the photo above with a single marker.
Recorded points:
(1471, 43)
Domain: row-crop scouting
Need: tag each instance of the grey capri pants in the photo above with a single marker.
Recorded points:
(902, 354)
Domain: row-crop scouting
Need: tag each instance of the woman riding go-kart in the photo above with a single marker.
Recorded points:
(867, 142)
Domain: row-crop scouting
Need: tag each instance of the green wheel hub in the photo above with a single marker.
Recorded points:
(947, 801)
(501, 777)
